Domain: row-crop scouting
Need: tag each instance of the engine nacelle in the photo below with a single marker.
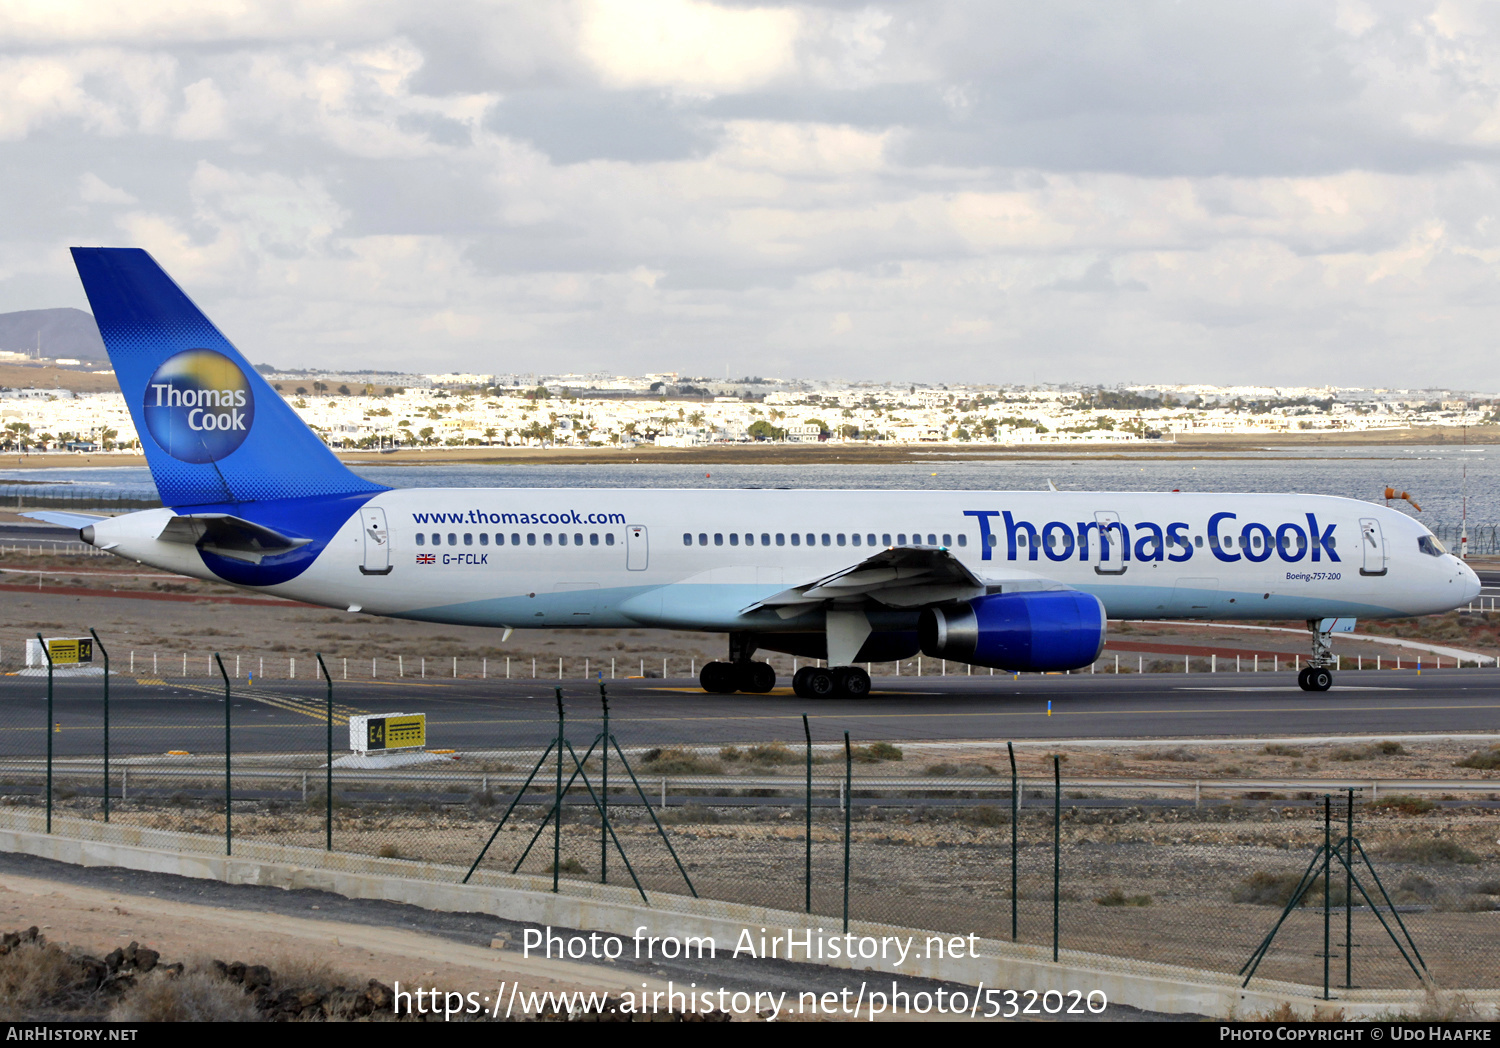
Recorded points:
(1030, 632)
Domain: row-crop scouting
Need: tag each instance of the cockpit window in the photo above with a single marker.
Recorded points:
(1429, 545)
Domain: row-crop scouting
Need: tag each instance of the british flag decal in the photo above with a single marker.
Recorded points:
(426, 558)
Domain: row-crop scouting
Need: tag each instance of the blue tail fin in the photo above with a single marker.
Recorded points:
(213, 431)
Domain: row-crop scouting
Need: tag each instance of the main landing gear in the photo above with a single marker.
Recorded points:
(724, 678)
(1317, 675)
(838, 682)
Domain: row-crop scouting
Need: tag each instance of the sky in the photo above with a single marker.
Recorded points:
(1298, 193)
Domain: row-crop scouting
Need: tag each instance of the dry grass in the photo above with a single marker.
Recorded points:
(197, 995)
(39, 977)
(1427, 851)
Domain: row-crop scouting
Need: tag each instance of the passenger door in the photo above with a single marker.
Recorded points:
(637, 550)
(377, 542)
(1372, 545)
(1109, 555)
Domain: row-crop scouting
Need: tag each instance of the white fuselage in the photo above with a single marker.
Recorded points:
(690, 559)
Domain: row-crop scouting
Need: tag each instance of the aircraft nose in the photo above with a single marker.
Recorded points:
(1471, 584)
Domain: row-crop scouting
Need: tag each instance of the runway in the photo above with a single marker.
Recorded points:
(468, 715)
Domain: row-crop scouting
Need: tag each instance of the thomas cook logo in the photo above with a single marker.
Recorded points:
(199, 406)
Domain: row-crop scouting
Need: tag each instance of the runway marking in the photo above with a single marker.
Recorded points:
(1291, 689)
(306, 707)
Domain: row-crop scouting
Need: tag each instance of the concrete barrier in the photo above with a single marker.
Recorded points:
(619, 911)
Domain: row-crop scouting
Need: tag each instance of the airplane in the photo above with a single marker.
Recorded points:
(1014, 581)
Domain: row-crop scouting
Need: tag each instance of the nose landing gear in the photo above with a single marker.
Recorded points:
(1317, 675)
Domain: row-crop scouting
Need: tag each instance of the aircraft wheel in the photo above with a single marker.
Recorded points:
(757, 677)
(1302, 681)
(799, 683)
(822, 684)
(719, 678)
(853, 682)
(1319, 680)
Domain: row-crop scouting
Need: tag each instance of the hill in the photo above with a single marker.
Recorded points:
(63, 332)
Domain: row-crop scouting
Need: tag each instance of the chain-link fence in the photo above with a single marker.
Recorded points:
(899, 825)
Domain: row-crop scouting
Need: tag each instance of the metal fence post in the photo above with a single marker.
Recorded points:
(807, 833)
(604, 792)
(1349, 898)
(1327, 887)
(848, 807)
(1014, 818)
(557, 796)
(100, 645)
(48, 654)
(328, 765)
(228, 751)
(1056, 846)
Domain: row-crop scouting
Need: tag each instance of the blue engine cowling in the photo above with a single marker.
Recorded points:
(1028, 632)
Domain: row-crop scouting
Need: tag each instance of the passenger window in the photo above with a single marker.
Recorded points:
(718, 539)
(437, 540)
(963, 540)
(515, 539)
(500, 538)
(765, 539)
(734, 539)
(468, 538)
(796, 539)
(547, 539)
(1020, 539)
(870, 540)
(854, 539)
(1255, 542)
(812, 540)
(826, 539)
(841, 538)
(1052, 540)
(885, 540)
(1332, 543)
(421, 539)
(577, 539)
(781, 538)
(932, 540)
(901, 539)
(531, 538)
(609, 538)
(593, 538)
(702, 539)
(995, 539)
(1213, 540)
(562, 538)
(1198, 540)
(687, 539)
(749, 540)
(484, 539)
(452, 539)
(947, 540)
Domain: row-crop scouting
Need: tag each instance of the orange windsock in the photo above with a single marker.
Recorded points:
(1392, 493)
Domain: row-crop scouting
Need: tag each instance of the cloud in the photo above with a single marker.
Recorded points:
(943, 189)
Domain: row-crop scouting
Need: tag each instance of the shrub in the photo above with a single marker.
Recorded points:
(1404, 803)
(1180, 754)
(1428, 851)
(1276, 749)
(1264, 888)
(1485, 760)
(772, 753)
(941, 770)
(984, 815)
(1365, 753)
(673, 761)
(194, 996)
(1115, 897)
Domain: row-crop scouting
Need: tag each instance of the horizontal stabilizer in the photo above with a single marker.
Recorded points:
(65, 520)
(229, 536)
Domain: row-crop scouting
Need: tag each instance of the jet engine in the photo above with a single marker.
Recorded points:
(1031, 632)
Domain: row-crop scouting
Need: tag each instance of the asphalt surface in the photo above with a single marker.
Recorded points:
(151, 717)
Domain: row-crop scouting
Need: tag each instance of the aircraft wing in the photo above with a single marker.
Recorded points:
(899, 578)
(228, 536)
